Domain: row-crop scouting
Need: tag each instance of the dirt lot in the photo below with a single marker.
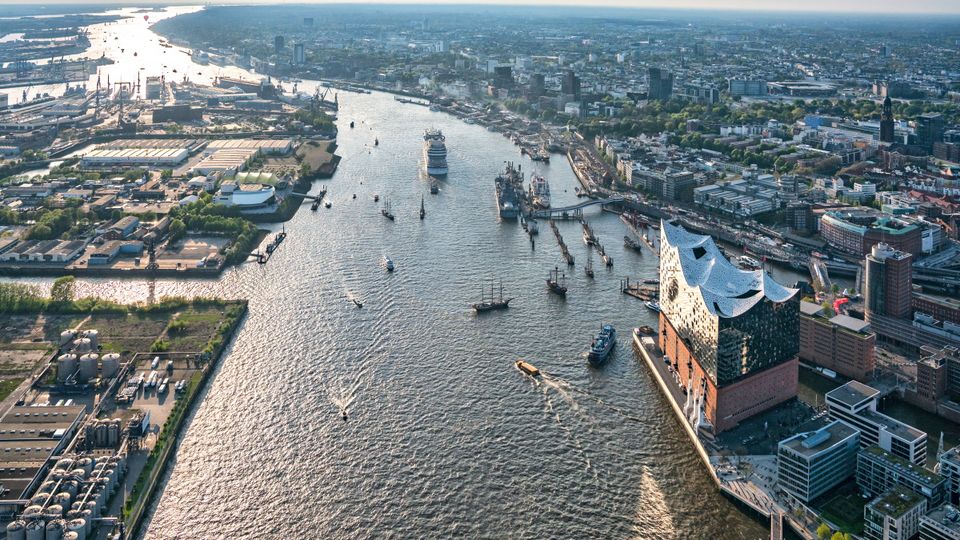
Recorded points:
(315, 153)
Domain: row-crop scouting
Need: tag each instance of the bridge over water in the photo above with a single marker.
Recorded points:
(574, 211)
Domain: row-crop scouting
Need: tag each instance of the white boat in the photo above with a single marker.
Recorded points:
(539, 191)
(652, 306)
(435, 152)
(388, 263)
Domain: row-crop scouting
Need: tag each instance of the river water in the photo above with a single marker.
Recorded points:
(445, 438)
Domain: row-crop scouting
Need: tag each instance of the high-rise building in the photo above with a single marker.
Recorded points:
(941, 523)
(537, 86)
(800, 217)
(888, 282)
(886, 121)
(747, 87)
(570, 85)
(810, 464)
(659, 83)
(929, 129)
(299, 55)
(731, 335)
(879, 470)
(840, 343)
(278, 43)
(894, 515)
(503, 76)
(855, 404)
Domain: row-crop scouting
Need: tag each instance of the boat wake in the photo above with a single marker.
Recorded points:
(346, 396)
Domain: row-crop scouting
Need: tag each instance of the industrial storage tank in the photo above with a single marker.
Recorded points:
(78, 526)
(71, 487)
(94, 337)
(88, 366)
(111, 365)
(79, 473)
(55, 529)
(40, 498)
(54, 511)
(32, 511)
(70, 535)
(63, 499)
(93, 508)
(35, 530)
(66, 337)
(17, 530)
(66, 366)
(65, 464)
(81, 345)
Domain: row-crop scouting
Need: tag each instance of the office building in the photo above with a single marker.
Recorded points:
(745, 87)
(800, 217)
(700, 92)
(856, 404)
(894, 515)
(810, 464)
(950, 471)
(840, 343)
(879, 470)
(660, 83)
(857, 230)
(941, 523)
(930, 129)
(888, 282)
(503, 76)
(537, 86)
(886, 122)
(731, 335)
(299, 55)
(570, 85)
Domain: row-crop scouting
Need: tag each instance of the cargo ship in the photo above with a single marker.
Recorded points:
(509, 187)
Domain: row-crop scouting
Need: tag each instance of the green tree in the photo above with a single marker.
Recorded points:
(823, 531)
(62, 290)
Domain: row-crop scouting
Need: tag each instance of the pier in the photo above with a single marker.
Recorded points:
(563, 246)
(639, 290)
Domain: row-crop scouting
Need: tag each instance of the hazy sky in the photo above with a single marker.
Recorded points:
(875, 6)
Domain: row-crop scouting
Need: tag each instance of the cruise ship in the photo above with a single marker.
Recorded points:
(435, 152)
(509, 186)
(539, 191)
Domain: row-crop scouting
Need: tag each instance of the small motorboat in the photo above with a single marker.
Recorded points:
(327, 204)
(388, 263)
(376, 197)
(351, 124)
(358, 303)
(354, 195)
(528, 368)
(434, 189)
(376, 142)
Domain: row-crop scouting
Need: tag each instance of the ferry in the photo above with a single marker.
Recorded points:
(652, 305)
(527, 368)
(539, 191)
(388, 263)
(435, 153)
(602, 344)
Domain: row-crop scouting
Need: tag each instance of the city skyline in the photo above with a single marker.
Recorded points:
(813, 6)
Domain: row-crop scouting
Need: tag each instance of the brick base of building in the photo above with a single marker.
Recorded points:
(727, 406)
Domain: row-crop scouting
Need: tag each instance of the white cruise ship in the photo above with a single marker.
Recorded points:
(435, 153)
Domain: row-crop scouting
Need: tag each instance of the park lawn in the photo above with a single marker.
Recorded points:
(9, 385)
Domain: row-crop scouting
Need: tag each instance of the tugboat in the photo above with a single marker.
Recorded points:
(434, 188)
(527, 368)
(423, 212)
(557, 282)
(602, 345)
(386, 210)
(491, 303)
(388, 263)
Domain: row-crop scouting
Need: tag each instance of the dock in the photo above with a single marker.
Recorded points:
(563, 246)
(642, 291)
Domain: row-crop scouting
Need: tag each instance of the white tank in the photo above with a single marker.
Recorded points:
(67, 336)
(111, 365)
(65, 464)
(71, 487)
(35, 530)
(88, 367)
(79, 472)
(78, 526)
(66, 366)
(70, 535)
(81, 345)
(55, 529)
(40, 499)
(64, 498)
(47, 487)
(94, 337)
(32, 511)
(17, 530)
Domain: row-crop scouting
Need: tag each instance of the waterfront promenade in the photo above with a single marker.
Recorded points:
(750, 480)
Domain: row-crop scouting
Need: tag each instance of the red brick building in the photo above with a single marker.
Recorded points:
(842, 344)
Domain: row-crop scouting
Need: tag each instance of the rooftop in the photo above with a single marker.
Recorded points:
(814, 442)
(726, 290)
(850, 323)
(926, 475)
(896, 502)
(946, 517)
(852, 394)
